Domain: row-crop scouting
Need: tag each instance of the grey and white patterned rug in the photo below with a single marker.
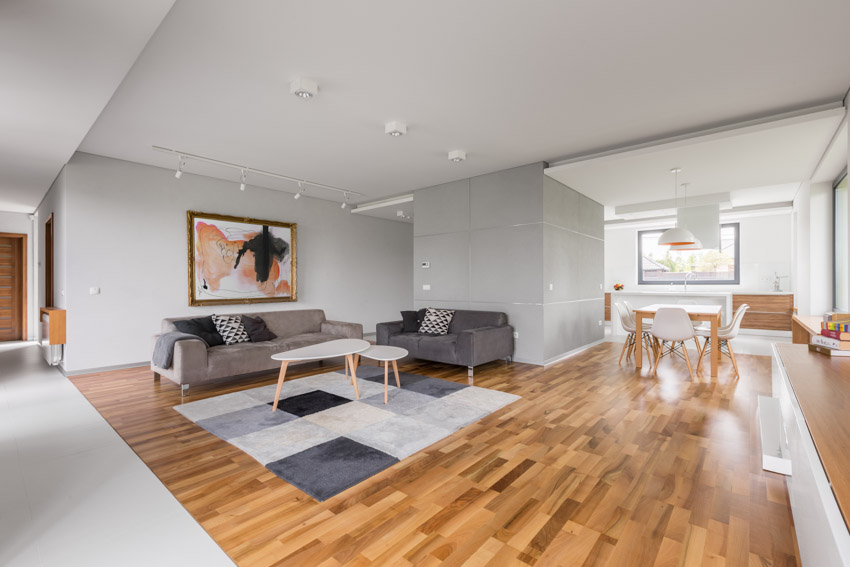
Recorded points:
(323, 440)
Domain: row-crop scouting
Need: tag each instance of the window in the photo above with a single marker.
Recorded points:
(657, 264)
(842, 269)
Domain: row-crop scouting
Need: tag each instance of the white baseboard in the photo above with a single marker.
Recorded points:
(103, 368)
(562, 356)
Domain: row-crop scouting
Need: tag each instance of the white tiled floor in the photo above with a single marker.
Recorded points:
(71, 491)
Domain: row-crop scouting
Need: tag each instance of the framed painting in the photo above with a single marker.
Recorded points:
(240, 260)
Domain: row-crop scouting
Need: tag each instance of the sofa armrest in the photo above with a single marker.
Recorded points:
(384, 330)
(485, 344)
(190, 362)
(347, 330)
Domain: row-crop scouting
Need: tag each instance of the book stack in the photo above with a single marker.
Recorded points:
(834, 338)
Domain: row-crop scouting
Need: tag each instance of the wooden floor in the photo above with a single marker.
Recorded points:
(596, 465)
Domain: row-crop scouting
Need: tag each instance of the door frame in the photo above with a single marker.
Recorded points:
(23, 268)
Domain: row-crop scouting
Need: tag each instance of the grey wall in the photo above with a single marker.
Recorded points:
(574, 265)
(20, 223)
(126, 234)
(496, 241)
(55, 203)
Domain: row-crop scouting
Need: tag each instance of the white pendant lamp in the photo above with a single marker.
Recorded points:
(697, 245)
(676, 236)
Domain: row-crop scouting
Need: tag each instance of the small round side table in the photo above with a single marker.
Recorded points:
(386, 354)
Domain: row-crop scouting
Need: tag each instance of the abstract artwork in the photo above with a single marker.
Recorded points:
(240, 260)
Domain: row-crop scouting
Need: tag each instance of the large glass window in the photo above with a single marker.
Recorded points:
(842, 254)
(657, 264)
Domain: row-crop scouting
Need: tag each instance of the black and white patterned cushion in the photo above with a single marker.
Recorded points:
(437, 321)
(231, 329)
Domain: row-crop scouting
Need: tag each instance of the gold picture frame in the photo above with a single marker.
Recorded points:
(228, 251)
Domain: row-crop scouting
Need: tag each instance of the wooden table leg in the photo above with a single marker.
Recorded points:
(715, 346)
(386, 379)
(280, 379)
(395, 369)
(638, 333)
(346, 370)
(353, 375)
(356, 360)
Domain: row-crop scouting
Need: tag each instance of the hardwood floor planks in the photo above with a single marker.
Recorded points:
(596, 465)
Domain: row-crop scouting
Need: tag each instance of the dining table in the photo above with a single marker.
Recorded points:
(709, 313)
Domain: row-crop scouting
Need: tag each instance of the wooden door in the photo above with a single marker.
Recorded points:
(12, 287)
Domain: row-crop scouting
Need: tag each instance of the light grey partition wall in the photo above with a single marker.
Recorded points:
(494, 242)
(573, 265)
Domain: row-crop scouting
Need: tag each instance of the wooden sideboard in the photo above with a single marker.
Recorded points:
(608, 306)
(771, 312)
(814, 395)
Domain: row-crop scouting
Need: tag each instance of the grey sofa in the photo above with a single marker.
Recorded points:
(194, 363)
(475, 337)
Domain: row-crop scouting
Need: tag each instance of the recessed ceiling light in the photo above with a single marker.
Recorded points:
(395, 129)
(457, 155)
(305, 88)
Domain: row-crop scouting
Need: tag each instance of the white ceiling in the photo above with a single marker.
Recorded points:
(60, 62)
(510, 83)
(757, 164)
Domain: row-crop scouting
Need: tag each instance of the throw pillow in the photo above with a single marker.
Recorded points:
(202, 327)
(409, 323)
(437, 321)
(231, 329)
(420, 316)
(257, 330)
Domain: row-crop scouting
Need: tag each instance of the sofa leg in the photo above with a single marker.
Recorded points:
(184, 389)
(509, 359)
(156, 376)
(469, 371)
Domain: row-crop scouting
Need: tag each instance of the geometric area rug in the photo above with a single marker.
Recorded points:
(323, 440)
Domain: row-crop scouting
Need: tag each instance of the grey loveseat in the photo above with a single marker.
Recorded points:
(475, 337)
(195, 363)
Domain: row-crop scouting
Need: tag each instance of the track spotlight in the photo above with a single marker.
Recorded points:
(344, 201)
(179, 173)
(300, 190)
(242, 181)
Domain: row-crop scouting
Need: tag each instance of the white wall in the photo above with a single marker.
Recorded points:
(766, 245)
(127, 235)
(20, 223)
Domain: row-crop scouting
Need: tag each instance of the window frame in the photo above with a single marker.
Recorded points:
(735, 281)
(838, 180)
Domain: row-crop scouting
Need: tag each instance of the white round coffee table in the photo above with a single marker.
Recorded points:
(386, 354)
(330, 349)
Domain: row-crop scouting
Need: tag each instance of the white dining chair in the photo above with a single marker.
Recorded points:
(724, 335)
(631, 310)
(629, 326)
(672, 324)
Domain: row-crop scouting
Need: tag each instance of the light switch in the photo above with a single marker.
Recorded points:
(426, 264)
(551, 287)
(426, 287)
(516, 335)
(94, 291)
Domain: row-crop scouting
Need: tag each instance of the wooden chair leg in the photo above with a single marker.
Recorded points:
(702, 352)
(688, 360)
(658, 359)
(622, 352)
(696, 342)
(734, 362)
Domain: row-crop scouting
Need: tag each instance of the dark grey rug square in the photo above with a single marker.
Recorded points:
(323, 440)
(309, 403)
(345, 462)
